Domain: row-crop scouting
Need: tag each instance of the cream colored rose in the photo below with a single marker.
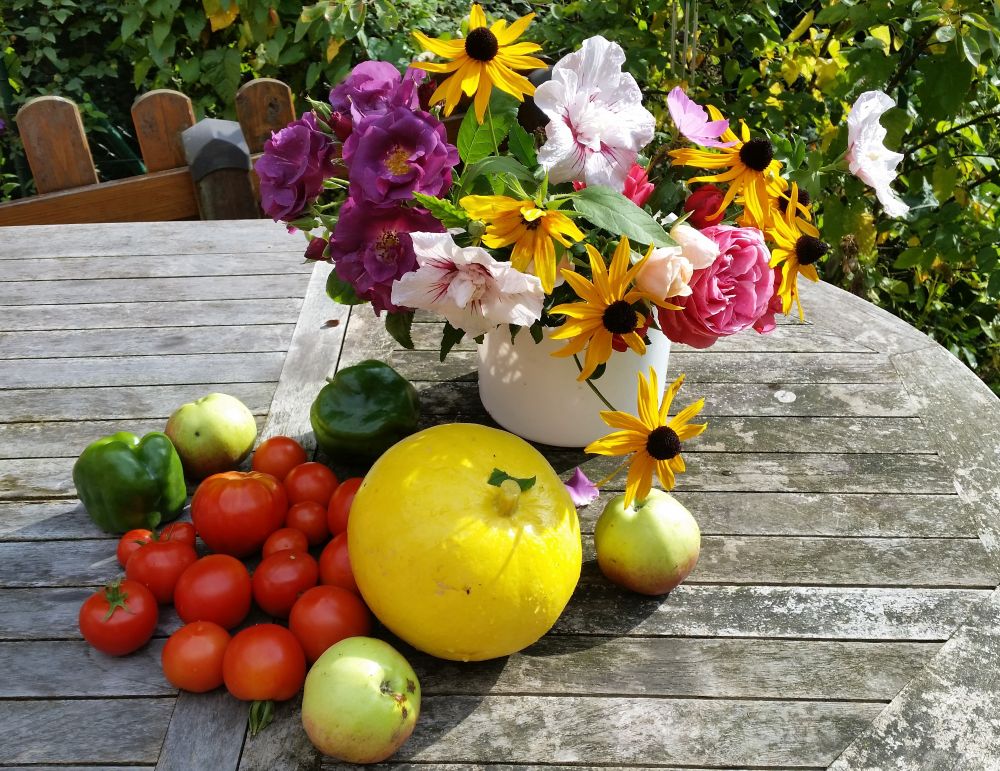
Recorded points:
(699, 249)
(666, 273)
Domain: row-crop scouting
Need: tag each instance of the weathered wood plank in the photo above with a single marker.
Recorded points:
(831, 514)
(148, 315)
(823, 613)
(725, 399)
(205, 731)
(82, 728)
(68, 439)
(67, 669)
(700, 367)
(237, 338)
(329, 764)
(122, 402)
(46, 520)
(530, 729)
(684, 667)
(286, 747)
(949, 716)
(163, 238)
(77, 768)
(32, 614)
(153, 266)
(143, 370)
(100, 290)
(724, 560)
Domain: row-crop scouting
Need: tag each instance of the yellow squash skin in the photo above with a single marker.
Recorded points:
(445, 560)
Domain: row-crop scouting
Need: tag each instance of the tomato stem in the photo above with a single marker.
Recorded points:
(261, 715)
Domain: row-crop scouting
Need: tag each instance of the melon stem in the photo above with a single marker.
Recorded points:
(508, 496)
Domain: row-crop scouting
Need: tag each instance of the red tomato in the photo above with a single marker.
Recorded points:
(158, 564)
(281, 578)
(264, 662)
(277, 456)
(335, 565)
(130, 543)
(119, 618)
(216, 588)
(287, 538)
(340, 504)
(234, 512)
(179, 531)
(192, 657)
(310, 518)
(325, 615)
(310, 482)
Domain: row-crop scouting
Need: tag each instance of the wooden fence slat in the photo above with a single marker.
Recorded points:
(55, 144)
(159, 117)
(263, 105)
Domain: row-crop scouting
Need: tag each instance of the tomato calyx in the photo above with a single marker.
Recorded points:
(261, 715)
(116, 598)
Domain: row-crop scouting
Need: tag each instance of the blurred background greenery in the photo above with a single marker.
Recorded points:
(788, 67)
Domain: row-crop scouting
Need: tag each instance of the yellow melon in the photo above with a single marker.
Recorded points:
(458, 567)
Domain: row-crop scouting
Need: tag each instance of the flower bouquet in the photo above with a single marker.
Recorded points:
(559, 229)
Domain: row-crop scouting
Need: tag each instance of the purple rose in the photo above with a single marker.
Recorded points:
(374, 87)
(371, 247)
(394, 154)
(295, 162)
(731, 294)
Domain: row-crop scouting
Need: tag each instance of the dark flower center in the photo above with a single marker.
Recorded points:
(804, 200)
(663, 443)
(481, 44)
(757, 153)
(619, 318)
(809, 249)
(531, 224)
(386, 245)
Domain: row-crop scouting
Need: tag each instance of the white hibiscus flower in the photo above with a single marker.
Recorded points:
(597, 123)
(868, 157)
(467, 286)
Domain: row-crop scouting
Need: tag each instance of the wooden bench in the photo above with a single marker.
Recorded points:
(68, 188)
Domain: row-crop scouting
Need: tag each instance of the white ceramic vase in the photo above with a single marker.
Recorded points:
(535, 395)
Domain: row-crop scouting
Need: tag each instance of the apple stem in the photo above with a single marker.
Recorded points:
(508, 496)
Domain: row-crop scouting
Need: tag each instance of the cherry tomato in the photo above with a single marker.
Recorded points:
(158, 564)
(277, 456)
(335, 565)
(325, 615)
(119, 618)
(216, 588)
(287, 538)
(234, 512)
(130, 543)
(310, 518)
(340, 505)
(179, 531)
(310, 482)
(264, 662)
(281, 578)
(192, 657)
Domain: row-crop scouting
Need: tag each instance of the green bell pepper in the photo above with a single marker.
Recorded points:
(363, 411)
(127, 483)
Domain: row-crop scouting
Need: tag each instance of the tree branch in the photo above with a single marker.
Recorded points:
(958, 127)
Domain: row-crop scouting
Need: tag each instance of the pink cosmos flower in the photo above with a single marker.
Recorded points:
(730, 295)
(692, 120)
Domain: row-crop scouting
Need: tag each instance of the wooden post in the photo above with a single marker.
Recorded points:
(57, 149)
(159, 117)
(262, 106)
(220, 167)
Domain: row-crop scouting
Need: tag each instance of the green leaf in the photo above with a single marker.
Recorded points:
(973, 53)
(130, 25)
(832, 14)
(477, 140)
(915, 255)
(311, 13)
(450, 338)
(160, 31)
(522, 145)
(398, 325)
(340, 291)
(498, 477)
(945, 34)
(612, 211)
(493, 165)
(535, 330)
(450, 215)
(194, 22)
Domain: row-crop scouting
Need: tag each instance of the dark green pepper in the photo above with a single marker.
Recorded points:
(363, 411)
(127, 483)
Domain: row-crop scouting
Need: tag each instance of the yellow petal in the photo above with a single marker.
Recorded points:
(666, 475)
(448, 49)
(685, 415)
(598, 352)
(470, 75)
(668, 397)
(518, 49)
(519, 62)
(617, 443)
(483, 97)
(507, 80)
(640, 478)
(620, 262)
(485, 207)
(514, 31)
(438, 66)
(623, 420)
(477, 18)
(647, 400)
(690, 431)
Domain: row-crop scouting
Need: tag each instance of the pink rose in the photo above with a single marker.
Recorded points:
(731, 294)
(637, 188)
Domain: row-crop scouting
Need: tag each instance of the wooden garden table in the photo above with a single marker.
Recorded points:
(843, 611)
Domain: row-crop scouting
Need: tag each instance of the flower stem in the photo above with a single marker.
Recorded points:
(493, 134)
(592, 387)
(614, 473)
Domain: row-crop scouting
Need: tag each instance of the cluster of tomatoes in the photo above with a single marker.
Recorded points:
(280, 510)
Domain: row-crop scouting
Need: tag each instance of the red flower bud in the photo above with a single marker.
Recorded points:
(702, 203)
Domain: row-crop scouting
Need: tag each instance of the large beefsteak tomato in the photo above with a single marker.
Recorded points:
(234, 512)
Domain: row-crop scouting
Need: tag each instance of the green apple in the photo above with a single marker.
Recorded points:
(361, 701)
(649, 547)
(212, 434)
